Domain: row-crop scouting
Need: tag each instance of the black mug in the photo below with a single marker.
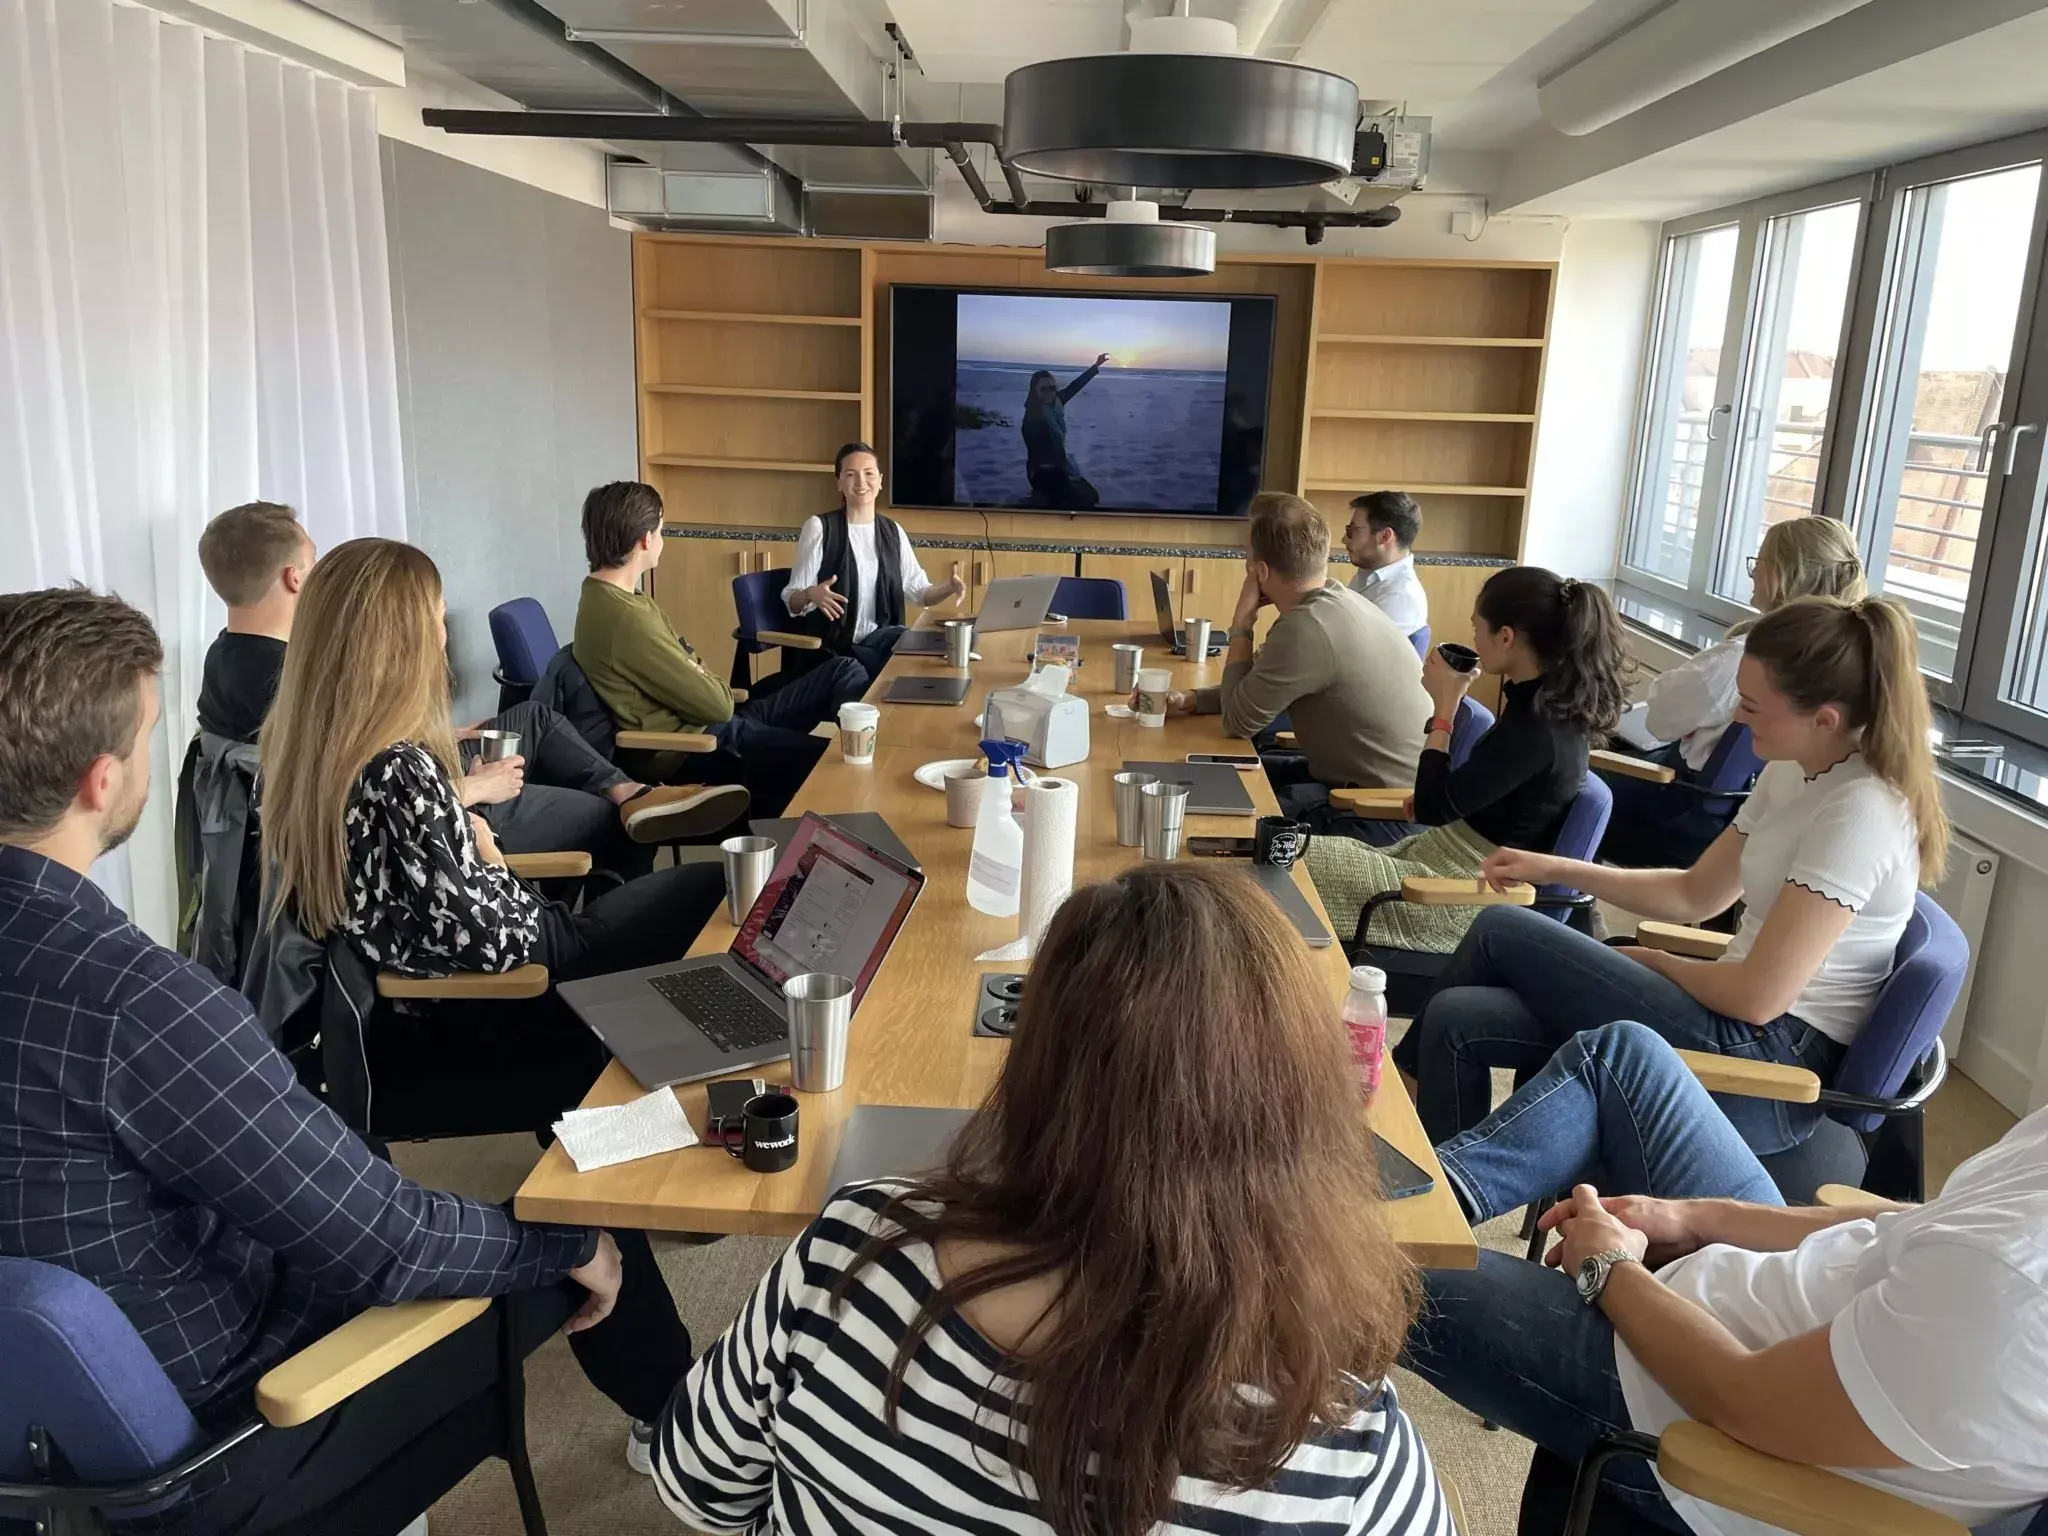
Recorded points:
(1461, 657)
(1278, 841)
(767, 1139)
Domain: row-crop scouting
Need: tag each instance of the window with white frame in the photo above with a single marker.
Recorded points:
(1874, 350)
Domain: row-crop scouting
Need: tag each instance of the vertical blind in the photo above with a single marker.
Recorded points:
(195, 311)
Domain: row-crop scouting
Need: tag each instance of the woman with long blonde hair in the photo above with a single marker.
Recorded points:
(1827, 856)
(365, 835)
(1150, 1291)
(1691, 706)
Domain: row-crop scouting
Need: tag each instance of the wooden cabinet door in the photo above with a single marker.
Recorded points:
(693, 586)
(1451, 590)
(1135, 572)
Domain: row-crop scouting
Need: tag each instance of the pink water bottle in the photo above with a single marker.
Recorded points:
(1365, 1018)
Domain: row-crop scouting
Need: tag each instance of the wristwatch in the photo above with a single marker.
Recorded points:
(1594, 1270)
(1243, 634)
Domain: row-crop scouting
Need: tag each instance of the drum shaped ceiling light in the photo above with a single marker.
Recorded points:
(1182, 109)
(1131, 242)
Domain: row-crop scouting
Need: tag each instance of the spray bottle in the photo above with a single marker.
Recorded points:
(995, 872)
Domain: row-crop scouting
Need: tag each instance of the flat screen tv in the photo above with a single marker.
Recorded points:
(1077, 402)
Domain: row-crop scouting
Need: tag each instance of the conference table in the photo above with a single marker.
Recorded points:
(911, 1040)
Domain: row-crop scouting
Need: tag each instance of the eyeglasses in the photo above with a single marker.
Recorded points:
(1749, 566)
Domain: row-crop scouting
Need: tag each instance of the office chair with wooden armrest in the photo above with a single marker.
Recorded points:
(519, 982)
(99, 1405)
(1600, 760)
(1375, 804)
(1810, 1501)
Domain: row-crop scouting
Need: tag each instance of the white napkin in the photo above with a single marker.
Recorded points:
(619, 1133)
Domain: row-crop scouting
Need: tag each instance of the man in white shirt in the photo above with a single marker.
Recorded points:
(1380, 539)
(1908, 1351)
(855, 569)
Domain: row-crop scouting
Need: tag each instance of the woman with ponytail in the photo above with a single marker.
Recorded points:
(1827, 854)
(1556, 646)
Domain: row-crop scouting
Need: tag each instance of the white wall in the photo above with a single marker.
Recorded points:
(1578, 484)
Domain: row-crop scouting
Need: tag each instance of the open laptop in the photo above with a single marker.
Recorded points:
(833, 903)
(1172, 633)
(869, 826)
(1213, 789)
(1015, 602)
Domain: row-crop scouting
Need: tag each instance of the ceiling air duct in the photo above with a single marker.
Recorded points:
(1182, 109)
(1129, 241)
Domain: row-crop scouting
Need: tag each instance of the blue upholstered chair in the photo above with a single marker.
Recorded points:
(1420, 640)
(1090, 597)
(524, 640)
(762, 626)
(92, 1430)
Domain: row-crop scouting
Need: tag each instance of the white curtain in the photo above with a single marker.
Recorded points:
(195, 311)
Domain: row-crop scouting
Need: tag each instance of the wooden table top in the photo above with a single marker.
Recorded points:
(911, 1041)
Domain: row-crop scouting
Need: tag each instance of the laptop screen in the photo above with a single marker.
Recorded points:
(1162, 599)
(833, 903)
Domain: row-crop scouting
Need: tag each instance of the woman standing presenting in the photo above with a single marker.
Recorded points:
(1827, 855)
(1157, 1247)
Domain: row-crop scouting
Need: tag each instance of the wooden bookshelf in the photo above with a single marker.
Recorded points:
(1425, 377)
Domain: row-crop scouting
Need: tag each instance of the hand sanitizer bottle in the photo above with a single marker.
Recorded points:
(995, 872)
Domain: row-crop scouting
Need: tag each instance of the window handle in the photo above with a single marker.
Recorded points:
(1713, 416)
(1987, 442)
(2012, 441)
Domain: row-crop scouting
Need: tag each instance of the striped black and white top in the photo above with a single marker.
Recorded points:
(781, 1425)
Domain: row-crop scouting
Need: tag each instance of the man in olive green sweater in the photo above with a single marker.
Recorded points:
(650, 679)
(1342, 670)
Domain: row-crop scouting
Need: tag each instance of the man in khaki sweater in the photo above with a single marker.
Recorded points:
(1340, 668)
(650, 680)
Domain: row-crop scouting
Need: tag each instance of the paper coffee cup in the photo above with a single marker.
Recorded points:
(857, 725)
(1154, 683)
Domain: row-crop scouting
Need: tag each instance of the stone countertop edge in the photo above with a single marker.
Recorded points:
(1043, 546)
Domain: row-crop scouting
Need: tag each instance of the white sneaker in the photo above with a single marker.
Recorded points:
(640, 1448)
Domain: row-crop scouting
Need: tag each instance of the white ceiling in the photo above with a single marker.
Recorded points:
(1890, 79)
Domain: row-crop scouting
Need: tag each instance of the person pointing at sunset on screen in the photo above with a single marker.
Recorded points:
(1047, 464)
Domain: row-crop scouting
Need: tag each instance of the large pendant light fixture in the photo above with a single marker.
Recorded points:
(1183, 108)
(1130, 241)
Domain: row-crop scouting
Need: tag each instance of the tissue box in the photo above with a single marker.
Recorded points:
(1053, 727)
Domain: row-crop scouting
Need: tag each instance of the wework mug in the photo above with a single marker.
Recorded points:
(767, 1139)
(1278, 841)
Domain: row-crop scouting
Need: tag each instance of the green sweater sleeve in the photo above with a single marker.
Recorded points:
(655, 661)
(1295, 660)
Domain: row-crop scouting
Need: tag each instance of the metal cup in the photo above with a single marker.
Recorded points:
(1126, 659)
(819, 1007)
(959, 642)
(1130, 806)
(495, 746)
(1197, 636)
(1164, 807)
(748, 863)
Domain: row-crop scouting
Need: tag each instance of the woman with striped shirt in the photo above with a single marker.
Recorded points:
(1151, 1291)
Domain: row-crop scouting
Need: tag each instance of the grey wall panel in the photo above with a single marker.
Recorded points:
(515, 359)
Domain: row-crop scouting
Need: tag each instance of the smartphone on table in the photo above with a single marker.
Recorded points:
(1220, 847)
(1245, 762)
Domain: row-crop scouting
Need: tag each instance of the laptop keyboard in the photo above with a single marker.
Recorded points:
(730, 1016)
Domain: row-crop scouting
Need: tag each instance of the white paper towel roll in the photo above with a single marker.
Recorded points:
(1050, 809)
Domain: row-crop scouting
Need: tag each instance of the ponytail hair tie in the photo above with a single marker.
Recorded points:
(1568, 588)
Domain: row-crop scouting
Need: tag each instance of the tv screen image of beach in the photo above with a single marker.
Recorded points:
(1078, 402)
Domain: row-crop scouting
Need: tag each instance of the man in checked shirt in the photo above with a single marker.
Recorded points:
(154, 1141)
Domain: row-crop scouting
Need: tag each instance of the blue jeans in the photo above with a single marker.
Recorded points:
(1617, 1109)
(1304, 799)
(1661, 826)
(1511, 1341)
(1521, 985)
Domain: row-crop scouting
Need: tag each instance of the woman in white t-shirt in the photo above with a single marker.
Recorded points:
(1827, 856)
(1691, 706)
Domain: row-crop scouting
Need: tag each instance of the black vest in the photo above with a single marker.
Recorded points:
(835, 558)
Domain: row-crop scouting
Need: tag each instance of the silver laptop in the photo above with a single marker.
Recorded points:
(1015, 602)
(1213, 789)
(833, 903)
(1173, 634)
(885, 1140)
